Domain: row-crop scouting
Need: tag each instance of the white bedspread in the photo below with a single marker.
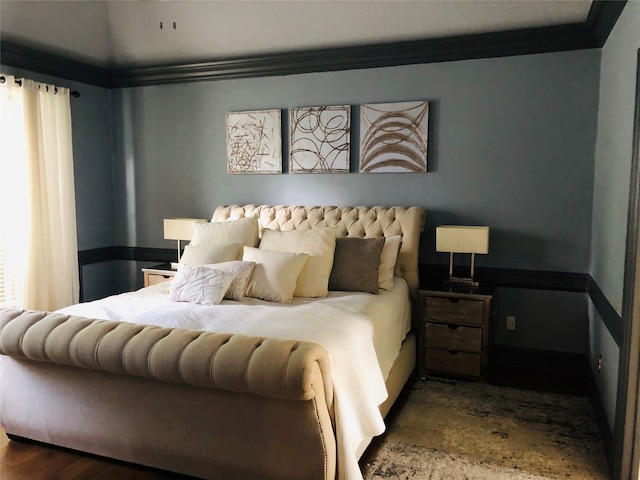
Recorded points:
(361, 333)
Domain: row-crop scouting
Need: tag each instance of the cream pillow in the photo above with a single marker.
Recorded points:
(242, 273)
(319, 244)
(275, 275)
(201, 285)
(205, 254)
(388, 259)
(242, 230)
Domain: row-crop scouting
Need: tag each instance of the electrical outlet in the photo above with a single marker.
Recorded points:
(599, 363)
(511, 322)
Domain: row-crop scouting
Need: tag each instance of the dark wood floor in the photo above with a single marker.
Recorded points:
(29, 461)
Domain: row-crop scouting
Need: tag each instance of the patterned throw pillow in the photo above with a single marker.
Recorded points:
(242, 273)
(201, 285)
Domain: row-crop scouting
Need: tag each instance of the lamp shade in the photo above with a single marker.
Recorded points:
(180, 228)
(462, 239)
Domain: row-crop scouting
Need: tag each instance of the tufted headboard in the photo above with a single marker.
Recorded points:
(360, 222)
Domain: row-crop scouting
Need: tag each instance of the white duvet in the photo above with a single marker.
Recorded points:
(361, 333)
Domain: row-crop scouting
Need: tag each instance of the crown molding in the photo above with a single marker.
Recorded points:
(499, 44)
(590, 34)
(602, 17)
(20, 56)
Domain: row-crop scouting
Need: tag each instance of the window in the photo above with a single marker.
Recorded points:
(38, 244)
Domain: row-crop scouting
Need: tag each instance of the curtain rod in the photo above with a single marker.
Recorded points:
(74, 93)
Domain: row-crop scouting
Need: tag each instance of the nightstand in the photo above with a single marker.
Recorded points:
(456, 331)
(158, 274)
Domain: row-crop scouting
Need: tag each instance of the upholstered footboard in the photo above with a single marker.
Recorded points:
(199, 403)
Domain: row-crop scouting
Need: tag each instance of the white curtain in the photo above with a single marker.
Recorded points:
(38, 240)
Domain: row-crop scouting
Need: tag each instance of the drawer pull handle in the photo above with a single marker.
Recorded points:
(454, 300)
(166, 276)
(453, 327)
(452, 352)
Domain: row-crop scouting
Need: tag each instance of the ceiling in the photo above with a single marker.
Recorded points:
(118, 34)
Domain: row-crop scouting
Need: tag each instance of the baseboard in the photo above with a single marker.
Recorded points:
(542, 370)
(601, 419)
(541, 360)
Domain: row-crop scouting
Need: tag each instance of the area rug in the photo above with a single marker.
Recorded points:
(456, 430)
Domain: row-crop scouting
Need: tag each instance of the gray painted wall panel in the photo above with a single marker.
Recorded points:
(511, 146)
(613, 154)
(611, 189)
(545, 320)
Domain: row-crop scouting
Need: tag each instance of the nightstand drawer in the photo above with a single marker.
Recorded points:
(154, 279)
(454, 310)
(453, 337)
(453, 362)
(158, 274)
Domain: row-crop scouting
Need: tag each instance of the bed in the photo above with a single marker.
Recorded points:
(249, 388)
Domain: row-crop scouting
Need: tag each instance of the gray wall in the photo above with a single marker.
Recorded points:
(611, 187)
(511, 145)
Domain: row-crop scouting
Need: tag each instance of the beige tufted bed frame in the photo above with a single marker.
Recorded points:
(206, 404)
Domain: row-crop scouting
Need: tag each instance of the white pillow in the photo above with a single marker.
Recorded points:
(242, 230)
(388, 259)
(242, 273)
(206, 254)
(275, 274)
(201, 285)
(319, 244)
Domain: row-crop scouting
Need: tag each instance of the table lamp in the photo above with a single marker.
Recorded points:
(462, 239)
(179, 229)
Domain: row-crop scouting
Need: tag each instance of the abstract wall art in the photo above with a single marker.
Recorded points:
(393, 137)
(320, 139)
(254, 142)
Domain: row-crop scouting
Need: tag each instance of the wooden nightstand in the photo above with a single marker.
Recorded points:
(158, 274)
(456, 331)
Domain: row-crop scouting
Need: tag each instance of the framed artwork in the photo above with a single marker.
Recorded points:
(320, 139)
(254, 142)
(393, 137)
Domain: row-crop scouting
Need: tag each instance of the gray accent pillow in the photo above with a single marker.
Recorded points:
(355, 265)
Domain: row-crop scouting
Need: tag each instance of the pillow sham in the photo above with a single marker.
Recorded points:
(195, 255)
(201, 285)
(319, 244)
(275, 275)
(241, 274)
(388, 260)
(243, 231)
(355, 265)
